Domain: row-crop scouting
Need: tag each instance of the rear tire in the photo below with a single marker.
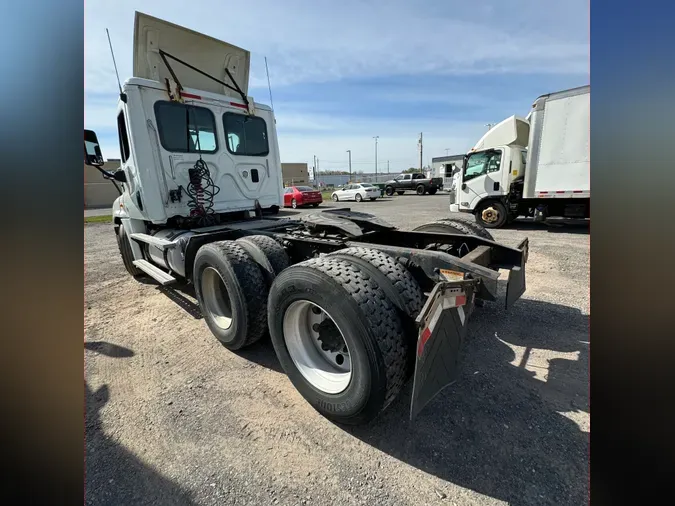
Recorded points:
(294, 204)
(315, 205)
(469, 221)
(227, 284)
(445, 227)
(267, 253)
(366, 320)
(125, 251)
(420, 190)
(397, 283)
(389, 191)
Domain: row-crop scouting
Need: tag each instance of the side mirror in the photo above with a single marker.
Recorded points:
(120, 176)
(463, 186)
(92, 150)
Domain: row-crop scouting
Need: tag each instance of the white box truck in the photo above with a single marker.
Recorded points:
(537, 166)
(354, 307)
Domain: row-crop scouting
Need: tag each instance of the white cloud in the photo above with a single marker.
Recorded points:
(329, 42)
(347, 39)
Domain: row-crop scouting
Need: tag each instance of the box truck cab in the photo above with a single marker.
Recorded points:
(536, 166)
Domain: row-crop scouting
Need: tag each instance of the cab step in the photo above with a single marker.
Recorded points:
(153, 241)
(162, 277)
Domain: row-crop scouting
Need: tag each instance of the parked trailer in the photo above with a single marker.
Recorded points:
(537, 166)
(354, 306)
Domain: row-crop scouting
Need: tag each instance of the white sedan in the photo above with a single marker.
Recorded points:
(356, 192)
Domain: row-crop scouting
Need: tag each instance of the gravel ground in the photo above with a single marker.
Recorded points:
(172, 417)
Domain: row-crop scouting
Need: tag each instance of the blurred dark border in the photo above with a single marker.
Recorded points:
(42, 250)
(633, 111)
(632, 176)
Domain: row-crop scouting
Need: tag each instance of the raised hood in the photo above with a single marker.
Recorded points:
(201, 51)
(512, 131)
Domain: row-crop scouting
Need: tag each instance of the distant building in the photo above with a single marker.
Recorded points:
(99, 192)
(295, 174)
(443, 166)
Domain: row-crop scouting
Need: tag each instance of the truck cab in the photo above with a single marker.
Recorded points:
(191, 146)
(491, 167)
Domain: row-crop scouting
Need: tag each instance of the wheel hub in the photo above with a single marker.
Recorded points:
(490, 215)
(329, 336)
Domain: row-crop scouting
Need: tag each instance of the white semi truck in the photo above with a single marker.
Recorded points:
(354, 307)
(537, 166)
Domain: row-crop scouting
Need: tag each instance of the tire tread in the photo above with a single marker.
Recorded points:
(250, 279)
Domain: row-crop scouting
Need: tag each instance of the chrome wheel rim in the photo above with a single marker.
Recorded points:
(317, 347)
(216, 298)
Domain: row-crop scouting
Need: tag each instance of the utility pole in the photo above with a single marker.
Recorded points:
(314, 170)
(446, 151)
(421, 151)
(350, 165)
(387, 166)
(489, 125)
(376, 137)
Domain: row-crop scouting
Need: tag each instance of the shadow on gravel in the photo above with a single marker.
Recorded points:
(182, 294)
(177, 294)
(114, 475)
(108, 349)
(553, 226)
(498, 430)
(262, 353)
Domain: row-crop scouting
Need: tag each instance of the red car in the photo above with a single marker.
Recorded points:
(296, 196)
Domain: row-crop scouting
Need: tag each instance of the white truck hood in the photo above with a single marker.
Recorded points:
(512, 131)
(201, 51)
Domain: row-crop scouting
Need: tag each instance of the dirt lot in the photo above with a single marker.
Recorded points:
(175, 418)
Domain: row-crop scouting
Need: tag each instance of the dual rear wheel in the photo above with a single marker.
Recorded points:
(341, 324)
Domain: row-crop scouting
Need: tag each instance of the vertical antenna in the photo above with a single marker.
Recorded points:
(268, 83)
(114, 63)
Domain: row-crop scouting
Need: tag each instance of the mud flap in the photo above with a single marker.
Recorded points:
(443, 323)
(516, 284)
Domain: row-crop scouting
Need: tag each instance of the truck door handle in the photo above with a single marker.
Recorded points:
(495, 187)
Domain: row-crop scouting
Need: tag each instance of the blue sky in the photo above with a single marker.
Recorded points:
(343, 72)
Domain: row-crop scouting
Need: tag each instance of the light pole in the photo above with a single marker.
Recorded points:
(350, 164)
(376, 137)
(489, 125)
(446, 151)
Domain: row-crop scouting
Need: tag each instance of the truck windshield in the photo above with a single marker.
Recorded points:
(481, 163)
